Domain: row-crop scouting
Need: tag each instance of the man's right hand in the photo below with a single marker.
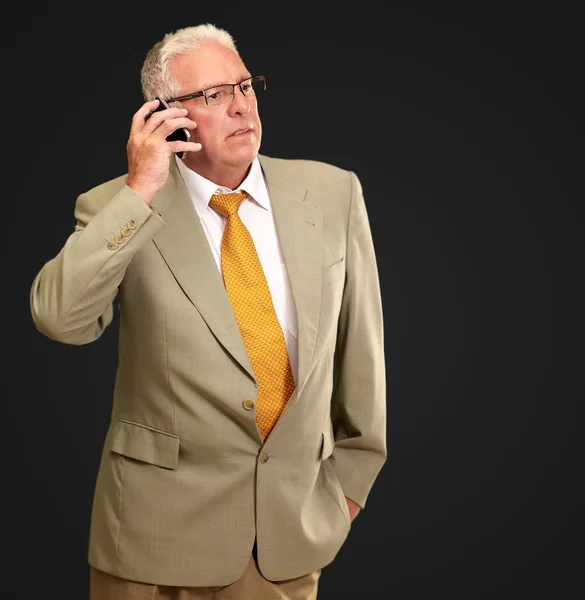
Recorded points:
(148, 151)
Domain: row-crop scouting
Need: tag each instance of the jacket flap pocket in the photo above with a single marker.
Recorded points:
(144, 443)
(328, 441)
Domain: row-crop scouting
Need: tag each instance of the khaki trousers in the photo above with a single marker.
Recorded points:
(250, 586)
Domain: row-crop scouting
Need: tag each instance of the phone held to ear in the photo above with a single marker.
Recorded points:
(179, 135)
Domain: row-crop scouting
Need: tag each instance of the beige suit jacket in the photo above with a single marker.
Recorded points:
(185, 482)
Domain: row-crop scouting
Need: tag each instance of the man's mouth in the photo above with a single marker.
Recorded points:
(240, 132)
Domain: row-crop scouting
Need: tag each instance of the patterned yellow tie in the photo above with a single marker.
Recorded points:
(251, 302)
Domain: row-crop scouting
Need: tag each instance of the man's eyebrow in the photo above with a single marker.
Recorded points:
(212, 85)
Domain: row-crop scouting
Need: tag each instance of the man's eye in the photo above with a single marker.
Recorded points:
(218, 96)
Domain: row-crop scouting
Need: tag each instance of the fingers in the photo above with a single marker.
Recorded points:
(170, 125)
(184, 146)
(147, 119)
(151, 123)
(142, 114)
(163, 123)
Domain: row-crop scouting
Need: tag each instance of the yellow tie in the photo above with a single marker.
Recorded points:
(251, 302)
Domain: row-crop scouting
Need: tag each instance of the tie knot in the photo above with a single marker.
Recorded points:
(227, 204)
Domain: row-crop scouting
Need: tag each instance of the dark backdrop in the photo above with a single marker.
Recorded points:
(462, 126)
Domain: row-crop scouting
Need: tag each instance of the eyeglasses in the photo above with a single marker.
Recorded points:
(222, 94)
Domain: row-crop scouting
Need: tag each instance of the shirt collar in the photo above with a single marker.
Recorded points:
(201, 189)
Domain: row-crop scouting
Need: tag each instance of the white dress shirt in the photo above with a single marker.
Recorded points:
(256, 214)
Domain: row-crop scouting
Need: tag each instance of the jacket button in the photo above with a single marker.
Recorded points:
(112, 245)
(125, 231)
(131, 224)
(119, 238)
(248, 404)
(264, 457)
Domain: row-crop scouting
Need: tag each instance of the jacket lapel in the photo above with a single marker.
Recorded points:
(299, 229)
(184, 246)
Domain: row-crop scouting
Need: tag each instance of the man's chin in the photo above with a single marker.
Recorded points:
(242, 157)
(236, 158)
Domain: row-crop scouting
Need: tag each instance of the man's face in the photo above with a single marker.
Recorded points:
(210, 65)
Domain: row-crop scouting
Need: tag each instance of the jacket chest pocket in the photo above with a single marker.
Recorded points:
(333, 273)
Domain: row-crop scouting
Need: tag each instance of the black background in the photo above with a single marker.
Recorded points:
(462, 127)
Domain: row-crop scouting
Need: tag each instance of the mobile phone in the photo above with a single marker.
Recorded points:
(179, 135)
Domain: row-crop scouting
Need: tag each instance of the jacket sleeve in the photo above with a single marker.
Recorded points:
(71, 297)
(359, 397)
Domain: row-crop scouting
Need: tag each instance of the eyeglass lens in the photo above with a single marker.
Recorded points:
(224, 93)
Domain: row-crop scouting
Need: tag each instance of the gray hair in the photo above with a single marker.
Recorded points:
(156, 78)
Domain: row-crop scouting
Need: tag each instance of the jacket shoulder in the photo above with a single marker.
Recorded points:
(309, 170)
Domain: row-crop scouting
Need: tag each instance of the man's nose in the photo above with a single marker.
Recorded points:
(239, 104)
